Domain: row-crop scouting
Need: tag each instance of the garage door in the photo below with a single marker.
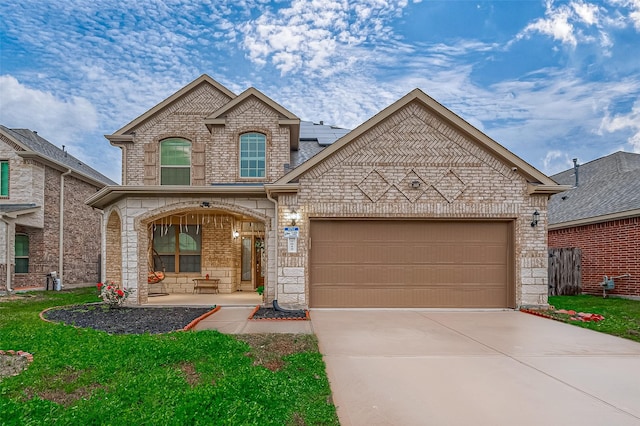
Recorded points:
(411, 263)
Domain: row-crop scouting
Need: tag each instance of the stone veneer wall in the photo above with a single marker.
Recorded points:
(113, 254)
(370, 177)
(221, 254)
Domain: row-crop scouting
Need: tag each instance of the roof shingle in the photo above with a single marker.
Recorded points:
(607, 185)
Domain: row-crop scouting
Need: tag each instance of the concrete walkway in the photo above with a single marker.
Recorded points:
(234, 320)
(399, 367)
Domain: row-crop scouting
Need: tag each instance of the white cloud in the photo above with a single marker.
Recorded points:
(61, 119)
(555, 24)
(315, 37)
(620, 122)
(556, 161)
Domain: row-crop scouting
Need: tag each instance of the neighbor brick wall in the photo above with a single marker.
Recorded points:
(609, 248)
(82, 235)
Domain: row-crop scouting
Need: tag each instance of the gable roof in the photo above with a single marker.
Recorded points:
(538, 181)
(36, 146)
(287, 118)
(203, 79)
(608, 188)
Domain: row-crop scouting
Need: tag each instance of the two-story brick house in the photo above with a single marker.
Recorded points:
(42, 191)
(415, 207)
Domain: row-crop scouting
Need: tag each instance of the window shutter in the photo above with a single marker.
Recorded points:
(197, 164)
(4, 178)
(150, 167)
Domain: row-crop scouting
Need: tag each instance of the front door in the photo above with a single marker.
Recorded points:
(252, 273)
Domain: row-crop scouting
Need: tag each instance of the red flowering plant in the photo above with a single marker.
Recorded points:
(112, 294)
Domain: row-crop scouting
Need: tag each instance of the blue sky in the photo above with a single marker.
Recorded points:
(549, 80)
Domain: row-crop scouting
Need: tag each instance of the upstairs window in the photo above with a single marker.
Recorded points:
(22, 254)
(175, 162)
(252, 155)
(4, 178)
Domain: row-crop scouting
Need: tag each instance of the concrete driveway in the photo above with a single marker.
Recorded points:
(402, 367)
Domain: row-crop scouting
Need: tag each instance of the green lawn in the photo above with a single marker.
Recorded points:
(88, 377)
(621, 316)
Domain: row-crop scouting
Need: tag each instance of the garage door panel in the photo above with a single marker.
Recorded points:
(442, 297)
(409, 263)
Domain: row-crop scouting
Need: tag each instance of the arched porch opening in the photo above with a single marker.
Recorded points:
(113, 253)
(225, 244)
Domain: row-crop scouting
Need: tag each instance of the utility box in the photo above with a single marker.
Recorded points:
(608, 284)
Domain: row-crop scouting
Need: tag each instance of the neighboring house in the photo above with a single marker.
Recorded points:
(42, 190)
(601, 216)
(414, 208)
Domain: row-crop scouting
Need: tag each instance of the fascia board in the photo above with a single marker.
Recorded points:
(596, 219)
(112, 193)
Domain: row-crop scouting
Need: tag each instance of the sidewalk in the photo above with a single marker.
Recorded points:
(234, 320)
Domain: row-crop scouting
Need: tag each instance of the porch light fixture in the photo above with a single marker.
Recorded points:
(534, 219)
(235, 234)
(293, 217)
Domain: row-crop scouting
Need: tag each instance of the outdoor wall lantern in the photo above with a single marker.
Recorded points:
(235, 234)
(293, 216)
(534, 219)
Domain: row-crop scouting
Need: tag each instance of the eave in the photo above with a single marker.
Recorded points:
(110, 194)
(16, 213)
(60, 167)
(546, 189)
(596, 219)
(289, 188)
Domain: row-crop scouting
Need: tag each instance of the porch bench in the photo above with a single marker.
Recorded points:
(201, 283)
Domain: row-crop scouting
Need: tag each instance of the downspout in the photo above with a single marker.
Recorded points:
(275, 287)
(8, 265)
(61, 234)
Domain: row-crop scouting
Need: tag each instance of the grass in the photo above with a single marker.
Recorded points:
(621, 316)
(84, 376)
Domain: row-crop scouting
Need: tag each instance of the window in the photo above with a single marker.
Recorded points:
(252, 155)
(175, 162)
(179, 250)
(4, 178)
(22, 254)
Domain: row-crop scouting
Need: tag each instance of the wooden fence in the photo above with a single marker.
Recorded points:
(564, 271)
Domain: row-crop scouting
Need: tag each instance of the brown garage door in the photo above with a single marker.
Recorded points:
(410, 263)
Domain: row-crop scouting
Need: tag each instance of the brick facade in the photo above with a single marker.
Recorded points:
(32, 181)
(370, 177)
(609, 248)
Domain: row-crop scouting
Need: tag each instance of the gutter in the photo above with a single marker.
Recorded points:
(61, 229)
(275, 287)
(8, 251)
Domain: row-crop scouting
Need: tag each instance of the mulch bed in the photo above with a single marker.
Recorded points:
(271, 314)
(125, 320)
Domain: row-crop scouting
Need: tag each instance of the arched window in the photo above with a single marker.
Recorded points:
(252, 155)
(175, 162)
(22, 254)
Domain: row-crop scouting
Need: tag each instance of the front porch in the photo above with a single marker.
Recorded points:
(237, 298)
